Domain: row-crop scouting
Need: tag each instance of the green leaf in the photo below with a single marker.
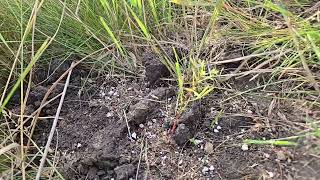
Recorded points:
(112, 36)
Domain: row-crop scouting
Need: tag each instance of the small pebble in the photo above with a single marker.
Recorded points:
(245, 147)
(110, 93)
(154, 120)
(141, 126)
(115, 94)
(197, 142)
(211, 168)
(216, 130)
(205, 170)
(271, 174)
(267, 155)
(134, 135)
(109, 114)
(208, 148)
(218, 127)
(149, 123)
(79, 145)
(180, 162)
(101, 172)
(249, 111)
(281, 156)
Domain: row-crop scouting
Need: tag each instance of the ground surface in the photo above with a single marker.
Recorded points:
(120, 128)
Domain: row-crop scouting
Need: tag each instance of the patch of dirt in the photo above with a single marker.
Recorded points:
(121, 129)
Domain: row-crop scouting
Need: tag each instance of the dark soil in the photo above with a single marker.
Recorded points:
(121, 128)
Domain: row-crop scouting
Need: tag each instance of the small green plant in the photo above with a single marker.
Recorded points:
(195, 80)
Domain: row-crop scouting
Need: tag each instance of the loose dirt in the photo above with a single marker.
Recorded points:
(121, 128)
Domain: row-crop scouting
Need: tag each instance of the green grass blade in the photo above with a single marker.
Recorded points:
(315, 48)
(112, 36)
(270, 142)
(141, 25)
(5, 43)
(43, 47)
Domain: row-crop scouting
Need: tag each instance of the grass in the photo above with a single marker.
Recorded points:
(33, 31)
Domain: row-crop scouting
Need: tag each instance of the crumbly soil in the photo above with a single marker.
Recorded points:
(117, 127)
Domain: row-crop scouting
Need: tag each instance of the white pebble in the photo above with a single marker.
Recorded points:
(110, 93)
(245, 147)
(154, 120)
(141, 126)
(115, 94)
(249, 111)
(211, 168)
(267, 155)
(180, 162)
(134, 135)
(109, 114)
(219, 127)
(197, 142)
(271, 174)
(79, 145)
(205, 170)
(216, 130)
(149, 123)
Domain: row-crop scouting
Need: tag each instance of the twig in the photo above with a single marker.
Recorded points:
(54, 124)
(140, 157)
(244, 57)
(125, 117)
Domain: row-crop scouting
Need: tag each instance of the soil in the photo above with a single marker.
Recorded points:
(122, 128)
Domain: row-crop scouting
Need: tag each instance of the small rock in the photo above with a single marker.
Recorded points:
(211, 168)
(281, 156)
(134, 135)
(149, 123)
(101, 172)
(245, 147)
(141, 126)
(110, 93)
(249, 111)
(271, 174)
(180, 162)
(182, 134)
(205, 170)
(154, 120)
(197, 142)
(115, 94)
(216, 130)
(219, 127)
(208, 148)
(124, 171)
(109, 114)
(267, 155)
(79, 145)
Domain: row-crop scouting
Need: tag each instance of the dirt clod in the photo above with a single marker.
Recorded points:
(139, 112)
(125, 171)
(182, 134)
(208, 148)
